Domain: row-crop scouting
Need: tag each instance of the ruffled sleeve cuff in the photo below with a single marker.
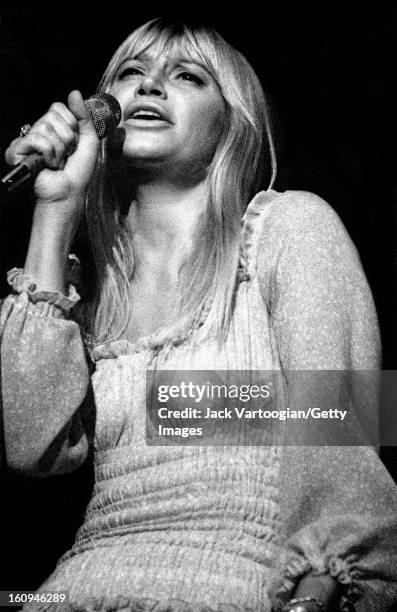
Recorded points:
(23, 283)
(344, 572)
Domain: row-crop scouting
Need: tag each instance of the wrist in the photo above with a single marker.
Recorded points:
(61, 214)
(323, 588)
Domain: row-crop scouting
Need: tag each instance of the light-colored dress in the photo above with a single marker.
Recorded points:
(216, 527)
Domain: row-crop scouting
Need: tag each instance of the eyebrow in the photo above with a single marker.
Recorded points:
(146, 58)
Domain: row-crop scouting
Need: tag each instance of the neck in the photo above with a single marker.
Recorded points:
(163, 219)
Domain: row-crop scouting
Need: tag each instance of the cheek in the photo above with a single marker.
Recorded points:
(217, 125)
(208, 124)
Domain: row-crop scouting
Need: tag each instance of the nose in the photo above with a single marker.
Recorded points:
(151, 85)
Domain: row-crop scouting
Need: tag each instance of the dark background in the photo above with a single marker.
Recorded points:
(331, 76)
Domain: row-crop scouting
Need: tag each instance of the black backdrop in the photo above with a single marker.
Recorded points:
(331, 77)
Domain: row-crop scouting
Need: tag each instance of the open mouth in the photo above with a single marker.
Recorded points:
(146, 115)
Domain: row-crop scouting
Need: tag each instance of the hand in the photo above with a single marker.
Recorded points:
(67, 140)
(322, 587)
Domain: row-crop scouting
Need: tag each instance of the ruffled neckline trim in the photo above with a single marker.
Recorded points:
(163, 336)
(175, 335)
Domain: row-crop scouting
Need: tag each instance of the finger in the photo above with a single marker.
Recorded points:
(32, 143)
(55, 125)
(47, 129)
(66, 114)
(80, 111)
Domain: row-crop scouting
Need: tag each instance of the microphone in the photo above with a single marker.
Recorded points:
(105, 113)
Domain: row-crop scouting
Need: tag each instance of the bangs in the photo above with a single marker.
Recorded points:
(162, 36)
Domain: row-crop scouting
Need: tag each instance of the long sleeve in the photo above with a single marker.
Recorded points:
(44, 384)
(339, 502)
(311, 277)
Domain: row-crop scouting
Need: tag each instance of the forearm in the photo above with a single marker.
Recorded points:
(50, 244)
(44, 371)
(66, 139)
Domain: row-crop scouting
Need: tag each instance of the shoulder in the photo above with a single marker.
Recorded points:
(300, 240)
(293, 212)
(295, 226)
(312, 282)
(298, 221)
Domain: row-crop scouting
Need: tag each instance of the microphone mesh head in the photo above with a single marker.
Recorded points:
(105, 112)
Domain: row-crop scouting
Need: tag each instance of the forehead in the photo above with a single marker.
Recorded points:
(171, 49)
(151, 58)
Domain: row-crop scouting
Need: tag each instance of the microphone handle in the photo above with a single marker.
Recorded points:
(29, 167)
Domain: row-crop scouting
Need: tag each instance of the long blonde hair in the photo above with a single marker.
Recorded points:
(243, 164)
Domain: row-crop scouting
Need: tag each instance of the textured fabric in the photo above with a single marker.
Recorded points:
(219, 528)
(22, 282)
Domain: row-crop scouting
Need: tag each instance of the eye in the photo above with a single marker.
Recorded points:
(190, 77)
(129, 71)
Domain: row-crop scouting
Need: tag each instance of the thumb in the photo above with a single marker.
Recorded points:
(81, 112)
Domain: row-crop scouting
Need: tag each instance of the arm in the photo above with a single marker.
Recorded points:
(44, 371)
(338, 501)
(311, 277)
(44, 385)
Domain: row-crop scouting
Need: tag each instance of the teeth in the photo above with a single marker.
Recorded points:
(146, 114)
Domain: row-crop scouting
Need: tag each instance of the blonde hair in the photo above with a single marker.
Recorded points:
(243, 162)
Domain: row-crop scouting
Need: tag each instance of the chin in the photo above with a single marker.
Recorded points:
(144, 151)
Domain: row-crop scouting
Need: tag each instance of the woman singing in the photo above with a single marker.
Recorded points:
(199, 265)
